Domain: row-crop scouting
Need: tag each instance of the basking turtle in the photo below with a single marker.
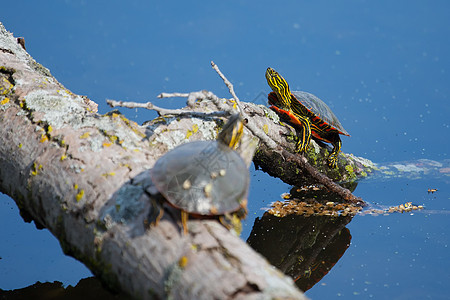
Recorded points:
(307, 112)
(205, 178)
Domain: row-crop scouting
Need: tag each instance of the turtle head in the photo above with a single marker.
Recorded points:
(280, 86)
(231, 132)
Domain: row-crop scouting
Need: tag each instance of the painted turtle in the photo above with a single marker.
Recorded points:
(206, 178)
(306, 111)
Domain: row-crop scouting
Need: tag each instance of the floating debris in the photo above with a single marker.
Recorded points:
(432, 191)
(286, 196)
(406, 207)
(306, 188)
(313, 208)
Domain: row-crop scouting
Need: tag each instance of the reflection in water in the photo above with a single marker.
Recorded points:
(303, 247)
(305, 235)
(88, 288)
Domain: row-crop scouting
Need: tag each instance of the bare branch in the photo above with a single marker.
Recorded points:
(230, 87)
(165, 111)
(173, 95)
(250, 125)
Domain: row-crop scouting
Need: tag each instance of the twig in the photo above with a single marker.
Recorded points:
(170, 95)
(165, 111)
(230, 87)
(250, 125)
(192, 96)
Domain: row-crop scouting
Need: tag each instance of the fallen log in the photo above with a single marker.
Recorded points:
(66, 166)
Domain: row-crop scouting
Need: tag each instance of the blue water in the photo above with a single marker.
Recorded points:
(401, 256)
(383, 67)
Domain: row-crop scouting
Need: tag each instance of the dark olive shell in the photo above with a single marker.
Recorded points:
(204, 178)
(320, 109)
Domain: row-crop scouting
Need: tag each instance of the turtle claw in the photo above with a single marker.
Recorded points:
(301, 147)
(332, 161)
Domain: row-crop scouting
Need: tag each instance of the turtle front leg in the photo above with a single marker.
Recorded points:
(332, 158)
(303, 143)
(299, 122)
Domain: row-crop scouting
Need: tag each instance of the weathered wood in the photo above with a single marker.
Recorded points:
(82, 176)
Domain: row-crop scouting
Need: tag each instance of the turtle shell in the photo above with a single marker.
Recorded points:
(203, 178)
(319, 109)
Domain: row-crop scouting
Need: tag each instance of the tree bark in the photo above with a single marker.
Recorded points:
(83, 176)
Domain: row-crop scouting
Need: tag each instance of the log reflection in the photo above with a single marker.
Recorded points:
(304, 238)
